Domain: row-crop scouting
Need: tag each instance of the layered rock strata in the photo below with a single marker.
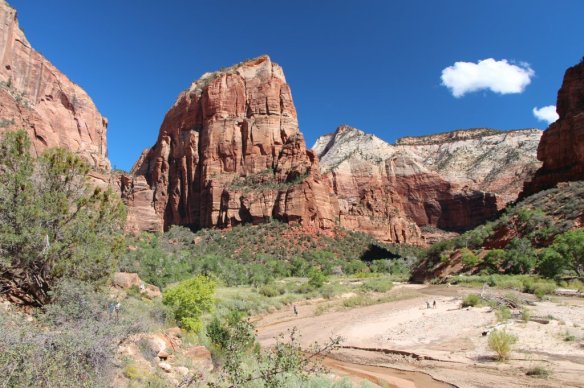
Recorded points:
(562, 145)
(37, 97)
(230, 151)
(452, 181)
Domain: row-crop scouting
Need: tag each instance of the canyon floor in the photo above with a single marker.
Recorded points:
(402, 343)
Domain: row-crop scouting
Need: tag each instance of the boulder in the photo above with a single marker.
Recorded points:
(165, 366)
(200, 356)
(125, 280)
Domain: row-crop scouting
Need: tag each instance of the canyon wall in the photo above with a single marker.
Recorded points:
(230, 151)
(37, 97)
(562, 145)
(451, 181)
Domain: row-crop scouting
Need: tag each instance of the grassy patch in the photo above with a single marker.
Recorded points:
(471, 300)
(538, 371)
(523, 283)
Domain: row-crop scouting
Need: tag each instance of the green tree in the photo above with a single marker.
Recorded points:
(495, 259)
(520, 256)
(53, 223)
(190, 299)
(469, 259)
(566, 252)
(316, 278)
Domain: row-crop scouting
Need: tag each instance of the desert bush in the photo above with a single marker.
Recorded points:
(503, 314)
(73, 341)
(189, 300)
(501, 342)
(471, 300)
(245, 364)
(270, 290)
(327, 292)
(54, 225)
(568, 337)
(377, 285)
(316, 278)
(525, 315)
(538, 371)
(355, 266)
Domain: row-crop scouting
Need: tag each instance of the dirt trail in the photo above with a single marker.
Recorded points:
(405, 344)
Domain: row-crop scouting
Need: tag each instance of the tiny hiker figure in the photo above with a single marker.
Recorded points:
(117, 309)
(434, 304)
(110, 309)
(427, 304)
(295, 310)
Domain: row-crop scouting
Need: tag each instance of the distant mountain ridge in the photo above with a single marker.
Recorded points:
(469, 173)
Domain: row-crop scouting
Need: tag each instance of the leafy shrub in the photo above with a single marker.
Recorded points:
(270, 290)
(568, 337)
(316, 278)
(471, 300)
(355, 266)
(245, 364)
(377, 285)
(500, 342)
(503, 314)
(355, 301)
(189, 300)
(538, 371)
(525, 315)
(54, 225)
(469, 259)
(73, 342)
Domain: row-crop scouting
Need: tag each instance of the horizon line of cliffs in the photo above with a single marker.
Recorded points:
(230, 151)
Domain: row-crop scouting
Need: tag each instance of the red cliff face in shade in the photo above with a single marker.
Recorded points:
(229, 151)
(34, 95)
(562, 145)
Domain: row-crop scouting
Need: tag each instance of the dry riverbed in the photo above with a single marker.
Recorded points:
(401, 343)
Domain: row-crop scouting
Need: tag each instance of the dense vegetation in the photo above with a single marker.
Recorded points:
(539, 235)
(256, 255)
(53, 224)
(61, 239)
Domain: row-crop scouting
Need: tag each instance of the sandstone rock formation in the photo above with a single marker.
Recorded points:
(452, 181)
(562, 145)
(34, 95)
(230, 151)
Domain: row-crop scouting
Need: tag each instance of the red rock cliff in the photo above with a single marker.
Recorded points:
(230, 151)
(34, 95)
(561, 148)
(452, 181)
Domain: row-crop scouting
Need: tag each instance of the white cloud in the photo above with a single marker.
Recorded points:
(497, 76)
(546, 113)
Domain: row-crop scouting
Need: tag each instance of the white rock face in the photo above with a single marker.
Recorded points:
(480, 159)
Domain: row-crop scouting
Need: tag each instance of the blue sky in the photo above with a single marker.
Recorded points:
(375, 65)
